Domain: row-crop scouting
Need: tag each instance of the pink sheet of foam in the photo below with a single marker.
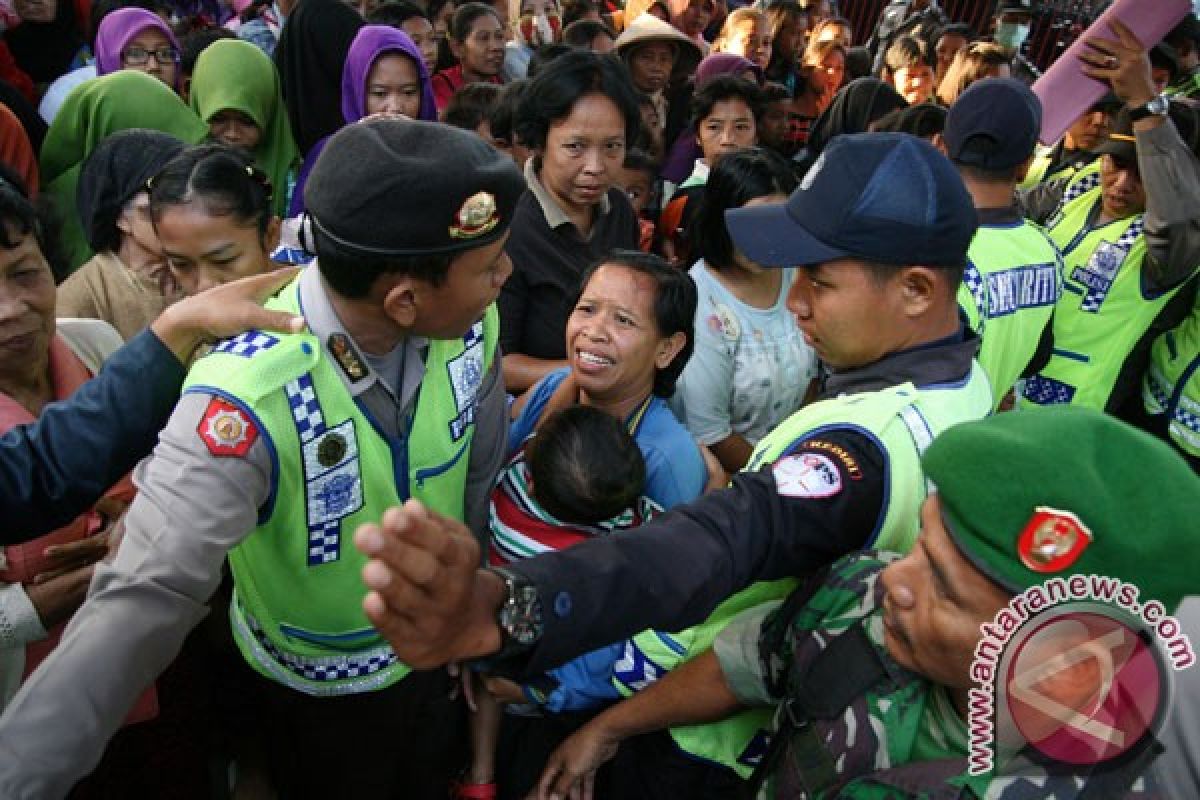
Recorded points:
(1066, 92)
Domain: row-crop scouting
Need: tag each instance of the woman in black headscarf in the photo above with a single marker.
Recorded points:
(853, 110)
(47, 39)
(310, 55)
(127, 283)
(31, 121)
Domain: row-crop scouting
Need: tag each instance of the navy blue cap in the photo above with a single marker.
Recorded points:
(993, 125)
(888, 198)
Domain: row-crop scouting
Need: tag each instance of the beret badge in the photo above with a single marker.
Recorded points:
(477, 216)
(1052, 540)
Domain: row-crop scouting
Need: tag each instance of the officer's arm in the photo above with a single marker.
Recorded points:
(192, 507)
(672, 572)
(53, 470)
(488, 448)
(1171, 178)
(1040, 201)
(691, 694)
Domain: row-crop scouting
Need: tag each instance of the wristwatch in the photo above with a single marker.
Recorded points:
(1158, 107)
(520, 616)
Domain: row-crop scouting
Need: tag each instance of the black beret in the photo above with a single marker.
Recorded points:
(391, 186)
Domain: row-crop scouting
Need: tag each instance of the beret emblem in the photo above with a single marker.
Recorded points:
(477, 216)
(1052, 540)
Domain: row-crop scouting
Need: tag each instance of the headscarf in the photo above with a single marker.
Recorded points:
(372, 42)
(16, 151)
(236, 75)
(683, 153)
(118, 170)
(311, 51)
(45, 49)
(118, 28)
(101, 107)
(853, 109)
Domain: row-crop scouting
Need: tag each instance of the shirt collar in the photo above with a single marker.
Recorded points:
(323, 322)
(947, 360)
(551, 210)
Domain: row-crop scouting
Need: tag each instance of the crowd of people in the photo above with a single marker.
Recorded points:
(552, 398)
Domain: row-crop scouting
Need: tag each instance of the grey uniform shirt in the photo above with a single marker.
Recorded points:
(191, 509)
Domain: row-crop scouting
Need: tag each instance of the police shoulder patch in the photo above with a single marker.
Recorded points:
(810, 475)
(226, 430)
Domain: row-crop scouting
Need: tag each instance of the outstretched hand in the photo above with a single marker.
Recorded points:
(225, 311)
(570, 771)
(427, 595)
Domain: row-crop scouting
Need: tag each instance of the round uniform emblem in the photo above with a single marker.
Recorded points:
(1052, 540)
(331, 450)
(477, 216)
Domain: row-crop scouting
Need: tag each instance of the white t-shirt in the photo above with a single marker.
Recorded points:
(751, 366)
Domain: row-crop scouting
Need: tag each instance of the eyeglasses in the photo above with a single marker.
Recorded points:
(137, 56)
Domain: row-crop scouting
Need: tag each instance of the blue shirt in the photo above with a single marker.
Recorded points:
(675, 470)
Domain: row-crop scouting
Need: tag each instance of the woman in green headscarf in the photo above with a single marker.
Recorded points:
(102, 106)
(235, 89)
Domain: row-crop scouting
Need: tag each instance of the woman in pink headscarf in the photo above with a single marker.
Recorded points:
(134, 38)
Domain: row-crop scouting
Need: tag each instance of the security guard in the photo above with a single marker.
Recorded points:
(872, 667)
(881, 225)
(1014, 272)
(1185, 38)
(278, 448)
(1130, 237)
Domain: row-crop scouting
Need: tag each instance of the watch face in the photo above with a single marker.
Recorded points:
(521, 616)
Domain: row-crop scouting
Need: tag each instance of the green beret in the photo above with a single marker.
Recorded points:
(391, 186)
(1031, 495)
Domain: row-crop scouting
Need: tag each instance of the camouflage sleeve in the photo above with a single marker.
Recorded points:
(737, 650)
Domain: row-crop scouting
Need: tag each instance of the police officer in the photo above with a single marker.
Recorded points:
(881, 225)
(871, 666)
(279, 447)
(1129, 235)
(1014, 272)
(54, 469)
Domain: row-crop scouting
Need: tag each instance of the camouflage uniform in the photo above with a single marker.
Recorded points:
(899, 738)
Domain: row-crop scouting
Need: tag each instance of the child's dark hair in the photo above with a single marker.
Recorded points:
(582, 32)
(503, 116)
(577, 10)
(395, 13)
(465, 16)
(736, 179)
(21, 216)
(585, 466)
(908, 52)
(196, 42)
(544, 56)
(223, 180)
(471, 105)
(725, 87)
(638, 159)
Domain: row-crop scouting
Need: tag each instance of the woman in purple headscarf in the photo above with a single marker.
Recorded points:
(384, 74)
(134, 38)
